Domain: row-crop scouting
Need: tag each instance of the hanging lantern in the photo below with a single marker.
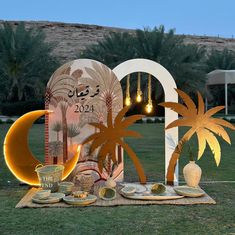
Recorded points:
(149, 106)
(139, 92)
(128, 98)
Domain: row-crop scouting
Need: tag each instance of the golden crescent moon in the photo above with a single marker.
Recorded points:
(18, 156)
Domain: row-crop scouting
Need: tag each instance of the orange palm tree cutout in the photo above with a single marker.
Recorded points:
(111, 135)
(201, 123)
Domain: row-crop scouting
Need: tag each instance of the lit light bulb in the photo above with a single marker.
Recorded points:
(138, 98)
(128, 101)
(149, 108)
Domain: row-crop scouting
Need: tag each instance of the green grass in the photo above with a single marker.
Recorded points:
(163, 219)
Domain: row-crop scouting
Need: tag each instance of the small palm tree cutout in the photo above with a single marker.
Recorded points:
(54, 147)
(201, 123)
(57, 127)
(110, 136)
(73, 130)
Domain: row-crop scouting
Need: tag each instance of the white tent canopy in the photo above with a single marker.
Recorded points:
(225, 77)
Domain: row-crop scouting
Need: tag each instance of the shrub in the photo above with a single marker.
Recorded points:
(40, 121)
(1, 121)
(159, 120)
(26, 61)
(149, 120)
(20, 108)
(232, 120)
(139, 121)
(9, 121)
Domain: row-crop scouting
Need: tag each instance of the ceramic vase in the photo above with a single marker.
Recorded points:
(192, 174)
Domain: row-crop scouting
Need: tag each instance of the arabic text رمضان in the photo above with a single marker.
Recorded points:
(83, 94)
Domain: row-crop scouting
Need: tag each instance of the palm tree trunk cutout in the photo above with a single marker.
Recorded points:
(135, 161)
(63, 108)
(108, 103)
(175, 156)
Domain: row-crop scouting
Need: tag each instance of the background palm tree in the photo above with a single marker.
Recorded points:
(25, 63)
(112, 50)
(224, 59)
(185, 62)
(200, 123)
(73, 130)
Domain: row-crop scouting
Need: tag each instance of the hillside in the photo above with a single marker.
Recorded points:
(73, 38)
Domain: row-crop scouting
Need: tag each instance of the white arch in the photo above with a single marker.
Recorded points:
(168, 84)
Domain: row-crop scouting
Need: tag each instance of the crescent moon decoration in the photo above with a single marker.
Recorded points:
(18, 156)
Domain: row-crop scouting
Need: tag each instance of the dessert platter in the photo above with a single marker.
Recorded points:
(80, 198)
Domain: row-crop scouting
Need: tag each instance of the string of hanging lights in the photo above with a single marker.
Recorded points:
(149, 106)
(139, 92)
(128, 97)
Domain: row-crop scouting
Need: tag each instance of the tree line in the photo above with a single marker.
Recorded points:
(27, 62)
(188, 64)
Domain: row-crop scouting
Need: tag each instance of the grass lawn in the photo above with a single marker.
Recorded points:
(164, 219)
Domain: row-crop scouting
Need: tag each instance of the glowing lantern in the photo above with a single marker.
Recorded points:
(149, 106)
(128, 98)
(139, 92)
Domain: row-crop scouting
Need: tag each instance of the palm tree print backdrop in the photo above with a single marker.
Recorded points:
(80, 92)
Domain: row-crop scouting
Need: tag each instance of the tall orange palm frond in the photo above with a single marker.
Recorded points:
(200, 122)
(111, 135)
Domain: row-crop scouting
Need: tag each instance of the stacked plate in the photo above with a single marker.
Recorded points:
(189, 191)
(53, 198)
(80, 201)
